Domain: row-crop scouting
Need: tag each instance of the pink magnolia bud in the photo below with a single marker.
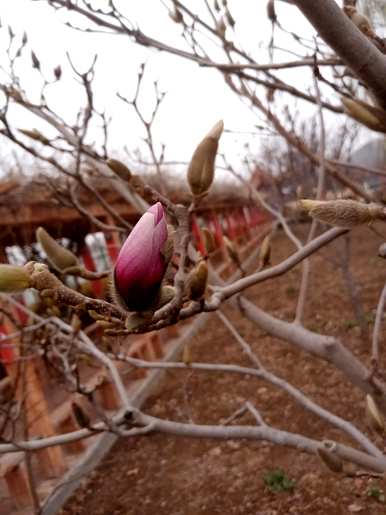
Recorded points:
(141, 265)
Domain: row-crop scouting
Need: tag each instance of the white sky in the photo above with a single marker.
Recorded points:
(196, 97)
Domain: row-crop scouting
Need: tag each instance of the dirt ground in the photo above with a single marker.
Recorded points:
(169, 476)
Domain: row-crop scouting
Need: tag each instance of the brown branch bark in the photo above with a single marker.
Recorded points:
(338, 31)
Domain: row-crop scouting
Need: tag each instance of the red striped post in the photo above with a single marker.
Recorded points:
(217, 230)
(198, 237)
(88, 261)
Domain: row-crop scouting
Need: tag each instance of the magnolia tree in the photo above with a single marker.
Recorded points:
(159, 279)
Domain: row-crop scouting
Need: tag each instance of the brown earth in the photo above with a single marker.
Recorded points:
(178, 476)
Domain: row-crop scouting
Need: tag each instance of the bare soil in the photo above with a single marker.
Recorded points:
(163, 475)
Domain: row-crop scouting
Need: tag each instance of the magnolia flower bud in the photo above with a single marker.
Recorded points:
(176, 15)
(370, 116)
(373, 415)
(196, 282)
(221, 27)
(331, 460)
(81, 417)
(136, 320)
(382, 251)
(119, 168)
(201, 167)
(187, 355)
(35, 135)
(231, 21)
(231, 249)
(13, 278)
(58, 72)
(210, 244)
(265, 251)
(361, 21)
(141, 265)
(165, 295)
(35, 60)
(271, 13)
(58, 257)
(342, 213)
(76, 323)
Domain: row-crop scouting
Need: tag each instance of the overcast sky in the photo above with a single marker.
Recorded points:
(196, 97)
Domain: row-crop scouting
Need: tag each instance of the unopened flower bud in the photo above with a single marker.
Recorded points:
(342, 213)
(210, 244)
(76, 323)
(81, 417)
(58, 72)
(119, 168)
(94, 315)
(165, 295)
(136, 320)
(201, 167)
(265, 251)
(35, 60)
(197, 280)
(138, 185)
(374, 417)
(58, 257)
(372, 117)
(221, 26)
(187, 354)
(13, 278)
(231, 249)
(176, 15)
(230, 19)
(141, 265)
(105, 324)
(35, 135)
(382, 251)
(331, 460)
(271, 13)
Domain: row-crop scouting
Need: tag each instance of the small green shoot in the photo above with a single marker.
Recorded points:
(278, 481)
(376, 493)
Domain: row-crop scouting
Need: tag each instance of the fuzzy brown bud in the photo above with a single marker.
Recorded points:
(374, 417)
(58, 257)
(342, 213)
(58, 72)
(231, 249)
(120, 169)
(382, 251)
(372, 117)
(76, 323)
(14, 278)
(265, 251)
(35, 135)
(221, 26)
(35, 60)
(230, 19)
(210, 244)
(331, 460)
(166, 294)
(176, 15)
(201, 166)
(271, 13)
(94, 315)
(359, 20)
(196, 282)
(81, 417)
(187, 354)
